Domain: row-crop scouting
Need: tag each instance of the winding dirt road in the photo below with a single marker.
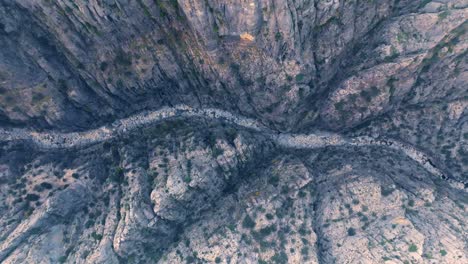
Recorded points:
(55, 140)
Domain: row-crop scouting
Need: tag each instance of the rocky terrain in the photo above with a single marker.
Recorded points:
(222, 131)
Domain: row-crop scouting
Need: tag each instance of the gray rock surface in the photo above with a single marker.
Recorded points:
(233, 131)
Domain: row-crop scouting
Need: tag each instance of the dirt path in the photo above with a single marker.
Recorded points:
(54, 140)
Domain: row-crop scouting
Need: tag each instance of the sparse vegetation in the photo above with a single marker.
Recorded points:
(368, 95)
(443, 15)
(278, 36)
(290, 166)
(424, 3)
(122, 58)
(32, 197)
(386, 191)
(273, 180)
(187, 179)
(103, 66)
(351, 231)
(117, 175)
(339, 106)
(305, 251)
(62, 259)
(248, 222)
(46, 185)
(96, 236)
(217, 152)
(37, 97)
(299, 77)
(280, 258)
(89, 223)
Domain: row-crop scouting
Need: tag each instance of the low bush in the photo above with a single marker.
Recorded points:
(248, 222)
(412, 248)
(32, 197)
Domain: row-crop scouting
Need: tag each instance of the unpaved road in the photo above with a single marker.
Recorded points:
(55, 140)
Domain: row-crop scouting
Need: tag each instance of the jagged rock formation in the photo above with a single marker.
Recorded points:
(187, 131)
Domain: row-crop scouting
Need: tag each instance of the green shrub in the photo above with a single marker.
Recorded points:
(273, 180)
(235, 67)
(443, 252)
(210, 139)
(269, 216)
(424, 3)
(187, 179)
(266, 231)
(123, 58)
(299, 77)
(36, 97)
(248, 222)
(103, 66)
(96, 236)
(89, 223)
(351, 231)
(353, 98)
(217, 152)
(364, 218)
(305, 251)
(339, 106)
(278, 36)
(117, 175)
(303, 230)
(46, 185)
(281, 258)
(231, 134)
(32, 197)
(62, 259)
(413, 248)
(369, 94)
(386, 191)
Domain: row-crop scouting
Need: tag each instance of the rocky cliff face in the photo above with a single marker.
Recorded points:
(197, 189)
(335, 63)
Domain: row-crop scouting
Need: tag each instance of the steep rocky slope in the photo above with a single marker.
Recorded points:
(312, 131)
(72, 64)
(202, 191)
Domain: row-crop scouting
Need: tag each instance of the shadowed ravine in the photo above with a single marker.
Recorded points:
(54, 140)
